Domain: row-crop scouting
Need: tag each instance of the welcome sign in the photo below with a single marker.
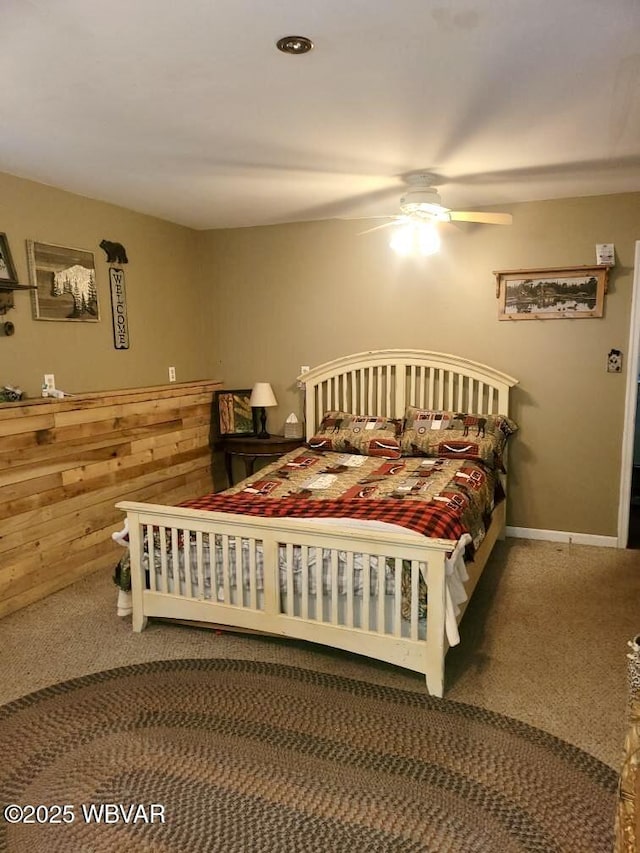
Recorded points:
(119, 309)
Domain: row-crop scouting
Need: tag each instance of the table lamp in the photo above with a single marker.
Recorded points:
(262, 396)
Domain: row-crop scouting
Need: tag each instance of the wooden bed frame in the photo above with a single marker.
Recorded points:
(380, 382)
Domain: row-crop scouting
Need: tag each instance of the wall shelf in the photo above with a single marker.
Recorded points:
(8, 285)
(6, 293)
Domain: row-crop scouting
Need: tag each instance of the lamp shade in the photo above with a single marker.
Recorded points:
(262, 395)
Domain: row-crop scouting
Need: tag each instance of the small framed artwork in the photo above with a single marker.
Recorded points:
(7, 269)
(64, 283)
(562, 293)
(233, 413)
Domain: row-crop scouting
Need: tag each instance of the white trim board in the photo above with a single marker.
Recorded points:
(628, 434)
(563, 536)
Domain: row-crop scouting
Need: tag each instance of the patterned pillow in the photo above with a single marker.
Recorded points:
(366, 435)
(456, 435)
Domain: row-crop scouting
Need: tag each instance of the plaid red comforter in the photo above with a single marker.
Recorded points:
(439, 498)
(434, 521)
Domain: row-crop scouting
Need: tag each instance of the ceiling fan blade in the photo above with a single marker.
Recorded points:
(485, 218)
(397, 220)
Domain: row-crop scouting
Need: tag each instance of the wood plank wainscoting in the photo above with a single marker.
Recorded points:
(64, 463)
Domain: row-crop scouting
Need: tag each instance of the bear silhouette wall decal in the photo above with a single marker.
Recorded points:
(116, 253)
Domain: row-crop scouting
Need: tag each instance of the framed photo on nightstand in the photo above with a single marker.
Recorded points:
(233, 414)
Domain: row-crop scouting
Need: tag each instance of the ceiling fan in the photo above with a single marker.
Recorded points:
(421, 203)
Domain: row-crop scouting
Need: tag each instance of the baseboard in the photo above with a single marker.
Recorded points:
(563, 536)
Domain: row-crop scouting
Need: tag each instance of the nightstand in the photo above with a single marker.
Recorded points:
(251, 448)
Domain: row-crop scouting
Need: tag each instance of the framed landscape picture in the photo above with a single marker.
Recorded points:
(233, 413)
(551, 294)
(65, 283)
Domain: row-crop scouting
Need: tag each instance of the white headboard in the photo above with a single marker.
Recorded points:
(385, 382)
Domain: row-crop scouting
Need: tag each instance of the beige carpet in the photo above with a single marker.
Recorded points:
(543, 641)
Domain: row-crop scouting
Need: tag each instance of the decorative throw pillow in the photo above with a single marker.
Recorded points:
(456, 435)
(366, 435)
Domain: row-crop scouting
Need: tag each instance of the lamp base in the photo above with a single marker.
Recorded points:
(263, 423)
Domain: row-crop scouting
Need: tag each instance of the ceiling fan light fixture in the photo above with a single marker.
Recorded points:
(416, 238)
(294, 44)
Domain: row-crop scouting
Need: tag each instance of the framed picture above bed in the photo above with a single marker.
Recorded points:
(560, 293)
(233, 414)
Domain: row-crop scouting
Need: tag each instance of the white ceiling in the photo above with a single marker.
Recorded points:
(184, 109)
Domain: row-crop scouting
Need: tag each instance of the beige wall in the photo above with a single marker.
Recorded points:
(305, 293)
(165, 316)
(256, 303)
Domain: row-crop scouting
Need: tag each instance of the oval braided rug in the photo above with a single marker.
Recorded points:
(244, 756)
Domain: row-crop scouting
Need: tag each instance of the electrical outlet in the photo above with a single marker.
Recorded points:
(49, 381)
(300, 384)
(172, 374)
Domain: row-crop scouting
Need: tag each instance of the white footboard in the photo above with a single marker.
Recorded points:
(349, 589)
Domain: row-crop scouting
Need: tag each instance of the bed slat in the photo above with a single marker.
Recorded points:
(164, 568)
(151, 556)
(350, 580)
(304, 604)
(397, 597)
(226, 591)
(253, 583)
(381, 594)
(200, 563)
(186, 557)
(366, 591)
(415, 586)
(334, 587)
(290, 592)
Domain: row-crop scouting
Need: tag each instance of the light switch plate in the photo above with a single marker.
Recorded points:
(605, 253)
(49, 381)
(614, 361)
